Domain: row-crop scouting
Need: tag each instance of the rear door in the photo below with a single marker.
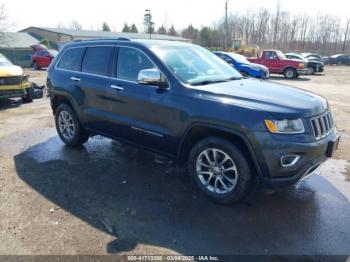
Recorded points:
(93, 82)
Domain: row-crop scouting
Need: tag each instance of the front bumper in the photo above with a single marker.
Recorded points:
(12, 91)
(312, 155)
(302, 71)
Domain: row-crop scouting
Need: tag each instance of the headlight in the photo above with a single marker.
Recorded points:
(285, 126)
(301, 65)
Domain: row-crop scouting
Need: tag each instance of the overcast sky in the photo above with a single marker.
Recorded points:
(91, 14)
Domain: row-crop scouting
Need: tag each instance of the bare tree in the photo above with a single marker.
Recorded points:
(75, 25)
(345, 35)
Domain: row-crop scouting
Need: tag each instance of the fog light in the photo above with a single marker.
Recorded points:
(289, 160)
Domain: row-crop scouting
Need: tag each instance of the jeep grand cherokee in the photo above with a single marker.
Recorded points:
(183, 101)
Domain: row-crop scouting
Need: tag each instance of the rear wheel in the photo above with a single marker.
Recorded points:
(28, 98)
(220, 170)
(68, 126)
(290, 73)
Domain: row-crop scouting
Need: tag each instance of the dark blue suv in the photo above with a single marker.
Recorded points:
(181, 100)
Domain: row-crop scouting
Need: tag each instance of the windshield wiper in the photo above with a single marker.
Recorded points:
(207, 82)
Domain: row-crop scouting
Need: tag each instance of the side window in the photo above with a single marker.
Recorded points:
(130, 62)
(71, 59)
(97, 60)
(227, 59)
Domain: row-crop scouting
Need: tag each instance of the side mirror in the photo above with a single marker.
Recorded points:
(151, 77)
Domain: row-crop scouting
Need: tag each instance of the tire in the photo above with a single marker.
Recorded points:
(36, 66)
(28, 98)
(310, 70)
(290, 73)
(237, 178)
(68, 126)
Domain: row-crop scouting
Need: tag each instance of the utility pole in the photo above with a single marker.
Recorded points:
(226, 27)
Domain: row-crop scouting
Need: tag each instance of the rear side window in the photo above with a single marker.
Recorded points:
(130, 62)
(71, 59)
(97, 60)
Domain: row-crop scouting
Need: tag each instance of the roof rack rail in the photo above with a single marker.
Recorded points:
(104, 38)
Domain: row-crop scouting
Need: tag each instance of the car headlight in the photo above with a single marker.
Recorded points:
(285, 126)
(301, 65)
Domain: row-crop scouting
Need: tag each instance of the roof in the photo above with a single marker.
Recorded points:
(104, 34)
(16, 40)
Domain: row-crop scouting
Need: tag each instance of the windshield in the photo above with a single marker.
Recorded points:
(239, 58)
(195, 65)
(4, 61)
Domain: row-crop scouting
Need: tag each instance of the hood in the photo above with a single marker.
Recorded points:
(6, 71)
(38, 47)
(281, 101)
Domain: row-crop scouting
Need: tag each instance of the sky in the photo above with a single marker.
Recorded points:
(91, 14)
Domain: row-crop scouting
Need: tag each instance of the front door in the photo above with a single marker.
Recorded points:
(141, 111)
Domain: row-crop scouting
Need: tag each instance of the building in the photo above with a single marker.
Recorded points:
(57, 36)
(17, 47)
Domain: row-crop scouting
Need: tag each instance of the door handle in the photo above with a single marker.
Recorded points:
(118, 88)
(75, 79)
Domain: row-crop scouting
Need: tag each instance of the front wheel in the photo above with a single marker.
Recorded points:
(310, 70)
(290, 73)
(68, 126)
(220, 170)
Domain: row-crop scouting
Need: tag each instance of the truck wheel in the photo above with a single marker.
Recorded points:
(68, 126)
(28, 98)
(220, 170)
(310, 70)
(290, 73)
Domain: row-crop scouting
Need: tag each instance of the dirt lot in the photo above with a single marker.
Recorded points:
(109, 198)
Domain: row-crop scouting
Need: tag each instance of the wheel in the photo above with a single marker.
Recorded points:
(220, 170)
(36, 66)
(310, 70)
(68, 126)
(290, 73)
(28, 98)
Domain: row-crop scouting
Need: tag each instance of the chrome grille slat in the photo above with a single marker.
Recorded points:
(322, 125)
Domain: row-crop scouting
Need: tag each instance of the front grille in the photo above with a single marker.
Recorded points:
(11, 92)
(322, 125)
(12, 80)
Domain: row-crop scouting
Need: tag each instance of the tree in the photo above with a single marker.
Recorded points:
(172, 31)
(105, 27)
(133, 29)
(126, 28)
(161, 30)
(148, 22)
(75, 25)
(45, 42)
(345, 35)
(191, 33)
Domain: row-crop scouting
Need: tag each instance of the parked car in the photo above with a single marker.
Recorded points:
(13, 81)
(42, 58)
(339, 59)
(242, 65)
(312, 66)
(180, 100)
(315, 57)
(277, 63)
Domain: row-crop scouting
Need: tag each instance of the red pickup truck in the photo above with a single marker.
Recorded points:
(277, 63)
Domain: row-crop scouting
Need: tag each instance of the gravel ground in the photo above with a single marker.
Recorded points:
(109, 198)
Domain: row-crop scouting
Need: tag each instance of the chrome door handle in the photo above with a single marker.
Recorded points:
(118, 88)
(75, 79)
